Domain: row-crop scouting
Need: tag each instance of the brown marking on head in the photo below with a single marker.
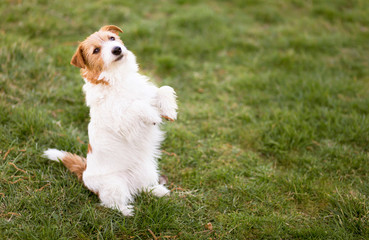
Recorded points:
(88, 54)
(111, 28)
(78, 59)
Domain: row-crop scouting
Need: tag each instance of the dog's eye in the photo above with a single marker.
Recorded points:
(112, 38)
(96, 50)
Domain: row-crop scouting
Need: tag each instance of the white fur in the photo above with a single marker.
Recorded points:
(124, 132)
(54, 154)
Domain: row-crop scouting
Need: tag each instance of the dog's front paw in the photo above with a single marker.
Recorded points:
(153, 119)
(147, 113)
(167, 103)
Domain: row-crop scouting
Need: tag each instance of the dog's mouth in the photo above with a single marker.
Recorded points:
(119, 58)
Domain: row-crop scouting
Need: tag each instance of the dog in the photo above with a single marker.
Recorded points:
(126, 111)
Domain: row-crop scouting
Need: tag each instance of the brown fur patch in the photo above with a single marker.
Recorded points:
(93, 77)
(111, 28)
(91, 63)
(78, 59)
(89, 149)
(75, 164)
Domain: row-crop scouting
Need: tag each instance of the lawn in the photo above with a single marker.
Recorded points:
(272, 139)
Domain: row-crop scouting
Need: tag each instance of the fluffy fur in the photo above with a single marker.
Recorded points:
(126, 111)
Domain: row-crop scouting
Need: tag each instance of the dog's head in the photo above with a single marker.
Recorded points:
(101, 51)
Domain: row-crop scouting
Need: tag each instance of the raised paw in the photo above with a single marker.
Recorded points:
(155, 119)
(151, 116)
(167, 104)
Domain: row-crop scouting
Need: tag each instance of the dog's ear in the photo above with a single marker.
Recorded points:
(78, 59)
(111, 28)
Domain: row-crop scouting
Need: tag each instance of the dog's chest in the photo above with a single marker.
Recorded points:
(108, 104)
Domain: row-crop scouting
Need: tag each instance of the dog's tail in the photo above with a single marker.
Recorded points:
(73, 162)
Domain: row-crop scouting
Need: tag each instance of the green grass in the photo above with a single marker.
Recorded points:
(272, 140)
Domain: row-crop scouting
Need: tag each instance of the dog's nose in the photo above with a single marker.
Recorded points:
(116, 51)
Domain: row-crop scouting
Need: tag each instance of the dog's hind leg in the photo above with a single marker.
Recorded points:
(117, 197)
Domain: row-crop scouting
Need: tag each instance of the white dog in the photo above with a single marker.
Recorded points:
(124, 132)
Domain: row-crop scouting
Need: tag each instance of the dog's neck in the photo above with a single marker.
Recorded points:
(93, 77)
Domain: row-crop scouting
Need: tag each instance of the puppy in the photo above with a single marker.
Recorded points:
(124, 133)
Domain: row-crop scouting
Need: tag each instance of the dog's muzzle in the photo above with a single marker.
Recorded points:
(116, 51)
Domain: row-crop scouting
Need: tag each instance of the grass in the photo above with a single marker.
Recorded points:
(272, 139)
